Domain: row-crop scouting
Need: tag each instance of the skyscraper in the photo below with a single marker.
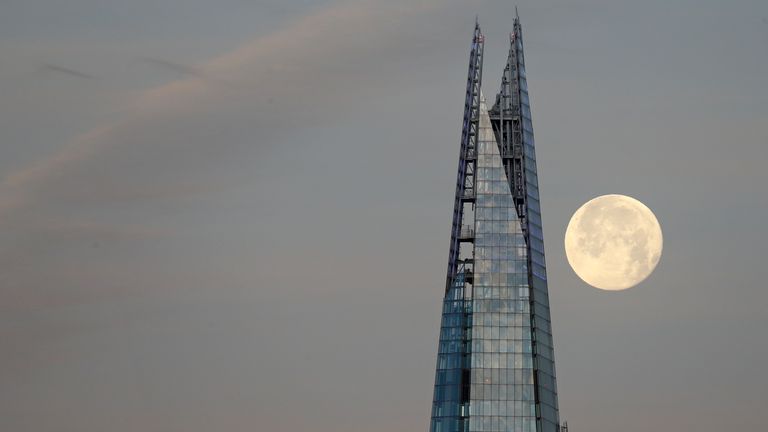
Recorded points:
(495, 363)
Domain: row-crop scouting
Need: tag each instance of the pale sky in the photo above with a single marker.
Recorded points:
(235, 215)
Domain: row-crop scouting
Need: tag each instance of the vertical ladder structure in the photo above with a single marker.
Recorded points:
(495, 363)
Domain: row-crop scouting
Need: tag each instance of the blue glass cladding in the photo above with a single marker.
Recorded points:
(446, 408)
(542, 335)
(502, 395)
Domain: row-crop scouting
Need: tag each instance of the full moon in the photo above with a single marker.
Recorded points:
(613, 242)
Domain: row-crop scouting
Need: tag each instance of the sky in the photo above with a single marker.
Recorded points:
(235, 215)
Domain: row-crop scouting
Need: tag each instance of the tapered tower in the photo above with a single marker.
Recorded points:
(495, 363)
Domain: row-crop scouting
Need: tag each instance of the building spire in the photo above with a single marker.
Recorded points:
(495, 332)
(516, 26)
(478, 35)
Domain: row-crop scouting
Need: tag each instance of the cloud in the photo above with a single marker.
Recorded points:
(172, 127)
(116, 179)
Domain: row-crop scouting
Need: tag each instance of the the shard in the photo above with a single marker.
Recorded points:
(495, 363)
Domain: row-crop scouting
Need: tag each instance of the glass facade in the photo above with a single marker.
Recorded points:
(502, 386)
(544, 371)
(495, 367)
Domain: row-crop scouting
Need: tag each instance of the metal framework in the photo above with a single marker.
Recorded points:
(465, 181)
(507, 124)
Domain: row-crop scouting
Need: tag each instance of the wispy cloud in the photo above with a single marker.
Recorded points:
(173, 123)
(176, 135)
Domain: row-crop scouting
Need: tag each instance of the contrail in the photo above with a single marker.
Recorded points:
(67, 71)
(175, 67)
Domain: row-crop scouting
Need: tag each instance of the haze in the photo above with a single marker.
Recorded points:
(235, 215)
